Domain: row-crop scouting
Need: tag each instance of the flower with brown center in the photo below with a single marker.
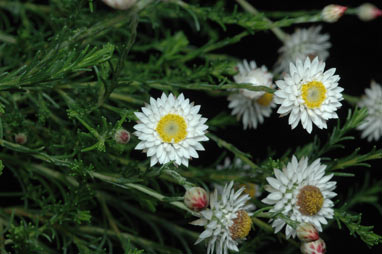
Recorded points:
(302, 192)
(227, 221)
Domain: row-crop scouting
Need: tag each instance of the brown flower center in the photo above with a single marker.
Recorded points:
(310, 200)
(241, 225)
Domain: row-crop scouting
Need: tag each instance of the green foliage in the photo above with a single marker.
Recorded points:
(353, 223)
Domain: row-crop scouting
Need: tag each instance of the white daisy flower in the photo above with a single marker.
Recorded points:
(252, 106)
(372, 125)
(170, 129)
(302, 193)
(226, 222)
(309, 94)
(303, 43)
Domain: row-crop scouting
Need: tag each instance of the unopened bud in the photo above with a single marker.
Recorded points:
(120, 4)
(368, 11)
(306, 232)
(122, 136)
(332, 12)
(196, 198)
(315, 247)
(21, 138)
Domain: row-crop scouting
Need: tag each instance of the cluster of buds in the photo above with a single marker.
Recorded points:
(368, 11)
(365, 12)
(311, 243)
(333, 12)
(196, 198)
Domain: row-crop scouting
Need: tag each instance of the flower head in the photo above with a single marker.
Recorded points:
(170, 129)
(196, 198)
(252, 106)
(368, 11)
(372, 126)
(226, 222)
(309, 94)
(302, 193)
(301, 44)
(332, 12)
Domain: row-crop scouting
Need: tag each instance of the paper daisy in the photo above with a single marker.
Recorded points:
(302, 193)
(372, 126)
(303, 43)
(226, 222)
(170, 129)
(309, 94)
(252, 106)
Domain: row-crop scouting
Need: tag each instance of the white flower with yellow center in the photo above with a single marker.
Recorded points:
(252, 106)
(170, 129)
(309, 94)
(226, 222)
(372, 125)
(302, 193)
(301, 44)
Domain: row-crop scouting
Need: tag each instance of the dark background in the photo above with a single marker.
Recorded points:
(356, 53)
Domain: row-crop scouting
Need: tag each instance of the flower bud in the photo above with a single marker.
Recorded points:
(120, 4)
(368, 11)
(332, 12)
(122, 136)
(315, 247)
(196, 198)
(21, 138)
(306, 232)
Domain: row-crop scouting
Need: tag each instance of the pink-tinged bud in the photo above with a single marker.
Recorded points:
(332, 12)
(368, 11)
(306, 232)
(21, 138)
(315, 247)
(120, 4)
(196, 198)
(122, 136)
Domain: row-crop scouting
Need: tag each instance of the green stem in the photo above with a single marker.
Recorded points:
(141, 241)
(250, 9)
(7, 38)
(178, 178)
(352, 100)
(119, 182)
(244, 157)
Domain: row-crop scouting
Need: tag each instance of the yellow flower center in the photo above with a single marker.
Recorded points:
(310, 200)
(313, 93)
(241, 225)
(172, 128)
(250, 189)
(265, 100)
